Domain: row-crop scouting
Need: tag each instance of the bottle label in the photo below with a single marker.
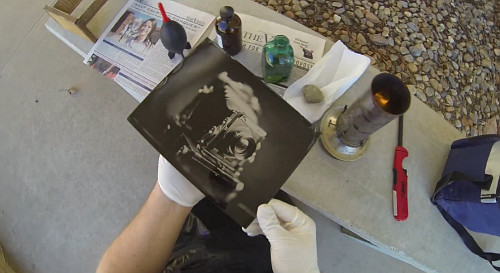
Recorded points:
(219, 41)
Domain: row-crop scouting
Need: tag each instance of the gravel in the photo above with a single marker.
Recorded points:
(447, 51)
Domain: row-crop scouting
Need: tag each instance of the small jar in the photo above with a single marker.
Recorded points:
(277, 60)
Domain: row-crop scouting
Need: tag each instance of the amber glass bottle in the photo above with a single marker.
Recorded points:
(228, 27)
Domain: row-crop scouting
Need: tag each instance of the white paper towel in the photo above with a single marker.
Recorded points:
(333, 74)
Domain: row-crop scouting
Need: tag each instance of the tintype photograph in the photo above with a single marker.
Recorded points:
(224, 130)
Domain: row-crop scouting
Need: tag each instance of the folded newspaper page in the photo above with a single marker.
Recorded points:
(130, 51)
(308, 49)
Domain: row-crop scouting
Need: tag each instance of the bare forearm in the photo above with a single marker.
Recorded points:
(147, 242)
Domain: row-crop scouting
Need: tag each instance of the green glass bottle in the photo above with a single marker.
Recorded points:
(277, 59)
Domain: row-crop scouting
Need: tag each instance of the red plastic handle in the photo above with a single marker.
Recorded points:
(400, 185)
(163, 13)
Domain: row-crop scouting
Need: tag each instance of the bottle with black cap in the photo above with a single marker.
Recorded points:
(228, 27)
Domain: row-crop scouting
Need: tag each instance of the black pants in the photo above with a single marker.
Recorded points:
(212, 242)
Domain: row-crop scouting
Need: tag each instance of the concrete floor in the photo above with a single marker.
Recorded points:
(73, 172)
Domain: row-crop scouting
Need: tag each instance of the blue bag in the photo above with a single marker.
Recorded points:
(468, 191)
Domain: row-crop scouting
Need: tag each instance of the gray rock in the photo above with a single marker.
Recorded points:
(420, 95)
(346, 20)
(304, 4)
(413, 26)
(301, 14)
(393, 57)
(339, 11)
(407, 14)
(336, 18)
(359, 13)
(429, 91)
(449, 100)
(468, 58)
(372, 17)
(344, 38)
(296, 8)
(403, 50)
(458, 123)
(413, 68)
(360, 39)
(417, 50)
(426, 68)
(378, 39)
(409, 58)
(337, 4)
(272, 3)
(436, 85)
(313, 94)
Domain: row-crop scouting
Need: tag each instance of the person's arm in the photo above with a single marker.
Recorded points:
(147, 242)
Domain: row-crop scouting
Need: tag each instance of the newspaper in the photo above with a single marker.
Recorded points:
(130, 51)
(308, 49)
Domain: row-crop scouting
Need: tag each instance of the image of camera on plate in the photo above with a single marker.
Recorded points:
(220, 131)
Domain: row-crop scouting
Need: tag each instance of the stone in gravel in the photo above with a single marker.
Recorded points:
(375, 6)
(378, 39)
(497, 51)
(491, 126)
(486, 63)
(385, 33)
(310, 12)
(322, 30)
(413, 26)
(313, 94)
(468, 58)
(336, 18)
(344, 38)
(403, 50)
(301, 14)
(393, 57)
(372, 17)
(304, 4)
(409, 58)
(429, 91)
(337, 4)
(407, 14)
(290, 14)
(458, 123)
(413, 68)
(469, 100)
(436, 85)
(326, 15)
(296, 8)
(339, 11)
(417, 50)
(426, 68)
(359, 13)
(420, 95)
(346, 20)
(272, 3)
(449, 100)
(361, 39)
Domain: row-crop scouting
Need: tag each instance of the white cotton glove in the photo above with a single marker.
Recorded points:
(292, 236)
(175, 186)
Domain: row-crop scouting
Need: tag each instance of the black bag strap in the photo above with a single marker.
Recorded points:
(455, 176)
(469, 241)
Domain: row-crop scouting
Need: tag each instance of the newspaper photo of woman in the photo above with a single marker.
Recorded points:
(142, 41)
(125, 22)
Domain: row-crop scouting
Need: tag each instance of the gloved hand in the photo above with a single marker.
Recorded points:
(292, 236)
(175, 186)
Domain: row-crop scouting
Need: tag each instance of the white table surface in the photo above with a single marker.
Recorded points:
(358, 195)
